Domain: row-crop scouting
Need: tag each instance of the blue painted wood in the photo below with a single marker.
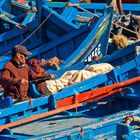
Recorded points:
(60, 46)
(46, 103)
(29, 17)
(68, 26)
(94, 117)
(48, 34)
(17, 6)
(16, 35)
(67, 127)
(5, 102)
(5, 4)
(98, 8)
(125, 54)
(94, 42)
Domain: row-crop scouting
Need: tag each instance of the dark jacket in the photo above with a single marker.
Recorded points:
(10, 77)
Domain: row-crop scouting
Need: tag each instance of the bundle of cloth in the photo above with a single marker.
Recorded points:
(76, 76)
(52, 63)
(36, 66)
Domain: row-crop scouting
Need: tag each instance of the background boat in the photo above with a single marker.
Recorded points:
(123, 1)
(98, 7)
(65, 46)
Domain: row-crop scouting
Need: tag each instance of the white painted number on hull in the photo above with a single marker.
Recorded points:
(96, 52)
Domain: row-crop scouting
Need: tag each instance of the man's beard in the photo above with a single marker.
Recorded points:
(21, 64)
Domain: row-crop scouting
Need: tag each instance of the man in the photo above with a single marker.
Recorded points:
(17, 74)
(117, 4)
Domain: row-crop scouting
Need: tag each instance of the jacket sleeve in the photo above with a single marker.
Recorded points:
(33, 76)
(6, 78)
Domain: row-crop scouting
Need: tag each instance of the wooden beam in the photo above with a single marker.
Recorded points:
(40, 116)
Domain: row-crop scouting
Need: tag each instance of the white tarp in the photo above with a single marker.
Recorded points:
(76, 76)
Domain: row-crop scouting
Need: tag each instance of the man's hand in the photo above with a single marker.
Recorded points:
(22, 82)
(34, 9)
(52, 75)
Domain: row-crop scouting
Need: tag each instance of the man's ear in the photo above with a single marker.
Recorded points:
(17, 55)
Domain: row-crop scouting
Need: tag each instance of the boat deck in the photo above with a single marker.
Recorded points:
(58, 125)
(65, 126)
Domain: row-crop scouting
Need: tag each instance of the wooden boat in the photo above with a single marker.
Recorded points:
(14, 13)
(119, 23)
(12, 36)
(32, 35)
(123, 1)
(80, 108)
(113, 58)
(81, 126)
(87, 101)
(130, 11)
(127, 8)
(35, 33)
(102, 1)
(70, 45)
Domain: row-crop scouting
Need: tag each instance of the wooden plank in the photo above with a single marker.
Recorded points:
(97, 94)
(40, 116)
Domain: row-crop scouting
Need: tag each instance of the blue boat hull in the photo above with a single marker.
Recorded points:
(95, 120)
(76, 45)
(84, 116)
(98, 8)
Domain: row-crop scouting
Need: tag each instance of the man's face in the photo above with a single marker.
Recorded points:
(21, 58)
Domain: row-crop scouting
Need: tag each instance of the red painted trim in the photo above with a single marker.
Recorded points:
(99, 93)
(36, 117)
